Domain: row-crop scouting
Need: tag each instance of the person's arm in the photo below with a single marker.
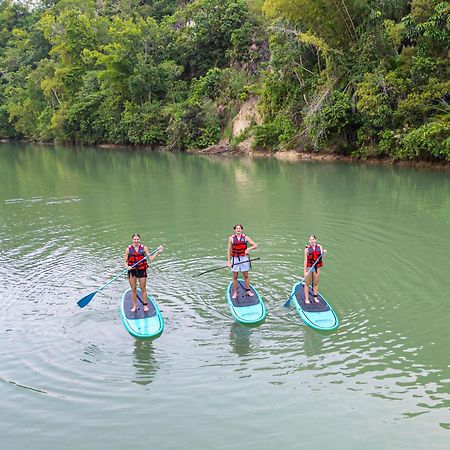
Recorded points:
(152, 257)
(229, 252)
(252, 246)
(125, 259)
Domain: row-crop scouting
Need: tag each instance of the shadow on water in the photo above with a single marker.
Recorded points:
(144, 362)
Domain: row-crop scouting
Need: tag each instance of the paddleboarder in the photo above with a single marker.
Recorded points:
(133, 254)
(238, 258)
(313, 252)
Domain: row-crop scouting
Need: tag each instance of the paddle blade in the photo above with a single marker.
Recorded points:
(288, 303)
(85, 300)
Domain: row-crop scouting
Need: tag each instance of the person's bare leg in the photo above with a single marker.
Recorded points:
(306, 287)
(235, 284)
(247, 284)
(133, 283)
(316, 285)
(143, 286)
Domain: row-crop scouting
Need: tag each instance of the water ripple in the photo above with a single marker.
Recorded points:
(388, 358)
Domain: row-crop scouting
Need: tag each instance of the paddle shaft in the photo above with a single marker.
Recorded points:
(288, 302)
(224, 267)
(85, 300)
(126, 270)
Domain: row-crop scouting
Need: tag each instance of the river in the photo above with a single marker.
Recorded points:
(73, 378)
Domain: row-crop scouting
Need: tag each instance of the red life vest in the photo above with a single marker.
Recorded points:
(313, 256)
(135, 256)
(238, 245)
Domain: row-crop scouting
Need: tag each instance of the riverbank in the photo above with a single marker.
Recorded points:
(300, 155)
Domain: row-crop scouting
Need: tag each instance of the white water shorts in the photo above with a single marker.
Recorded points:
(244, 265)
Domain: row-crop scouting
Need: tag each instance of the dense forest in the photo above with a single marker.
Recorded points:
(355, 77)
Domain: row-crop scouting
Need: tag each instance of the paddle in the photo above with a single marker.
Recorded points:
(224, 267)
(85, 300)
(288, 302)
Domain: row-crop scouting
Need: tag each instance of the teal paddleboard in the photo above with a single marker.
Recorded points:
(146, 325)
(319, 316)
(246, 309)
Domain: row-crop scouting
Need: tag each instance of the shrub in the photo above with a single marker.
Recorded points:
(429, 139)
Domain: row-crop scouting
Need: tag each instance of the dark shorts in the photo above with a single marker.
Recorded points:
(137, 273)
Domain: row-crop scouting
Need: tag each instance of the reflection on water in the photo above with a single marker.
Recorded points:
(240, 338)
(144, 362)
(313, 343)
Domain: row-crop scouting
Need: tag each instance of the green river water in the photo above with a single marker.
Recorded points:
(73, 378)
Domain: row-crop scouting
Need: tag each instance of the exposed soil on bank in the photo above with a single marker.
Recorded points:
(225, 150)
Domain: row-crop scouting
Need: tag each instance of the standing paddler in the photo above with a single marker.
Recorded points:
(137, 253)
(238, 258)
(314, 254)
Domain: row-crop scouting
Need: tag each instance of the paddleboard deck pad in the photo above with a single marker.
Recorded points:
(246, 309)
(146, 325)
(319, 315)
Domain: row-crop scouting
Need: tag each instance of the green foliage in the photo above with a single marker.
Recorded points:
(430, 141)
(284, 88)
(144, 124)
(373, 104)
(207, 33)
(241, 40)
(429, 26)
(110, 118)
(274, 135)
(324, 18)
(13, 15)
(83, 122)
(194, 126)
(7, 130)
(420, 104)
(333, 119)
(210, 86)
(266, 136)
(236, 140)
(369, 77)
